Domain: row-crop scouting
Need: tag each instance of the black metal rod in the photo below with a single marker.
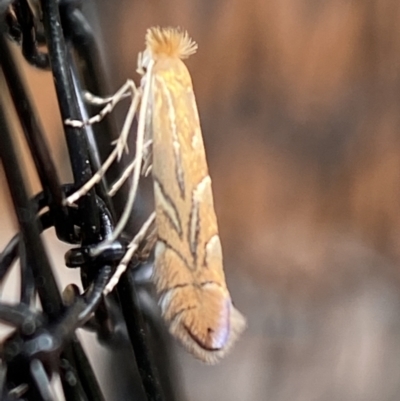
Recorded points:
(64, 89)
(137, 334)
(8, 256)
(76, 140)
(36, 139)
(94, 294)
(80, 34)
(19, 315)
(92, 135)
(10, 253)
(69, 378)
(77, 376)
(85, 372)
(161, 344)
(29, 46)
(27, 288)
(32, 128)
(44, 279)
(41, 380)
(3, 377)
(93, 75)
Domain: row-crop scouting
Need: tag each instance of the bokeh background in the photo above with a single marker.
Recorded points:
(299, 102)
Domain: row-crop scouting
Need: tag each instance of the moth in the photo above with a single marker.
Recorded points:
(188, 266)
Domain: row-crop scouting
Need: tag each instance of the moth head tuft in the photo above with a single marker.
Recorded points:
(171, 42)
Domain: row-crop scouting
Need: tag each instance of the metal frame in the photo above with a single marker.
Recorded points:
(45, 342)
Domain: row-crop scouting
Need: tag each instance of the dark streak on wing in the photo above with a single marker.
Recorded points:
(184, 285)
(180, 311)
(175, 287)
(199, 343)
(194, 219)
(171, 204)
(204, 283)
(177, 253)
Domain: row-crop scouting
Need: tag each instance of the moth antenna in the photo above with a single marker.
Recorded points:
(171, 42)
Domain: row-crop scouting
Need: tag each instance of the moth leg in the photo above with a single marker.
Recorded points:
(128, 171)
(141, 131)
(100, 101)
(132, 249)
(119, 147)
(148, 151)
(147, 160)
(139, 69)
(128, 88)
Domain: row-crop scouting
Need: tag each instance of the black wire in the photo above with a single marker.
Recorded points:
(93, 150)
(36, 139)
(93, 76)
(76, 140)
(3, 377)
(10, 253)
(28, 43)
(161, 344)
(87, 378)
(27, 287)
(70, 379)
(41, 380)
(80, 34)
(30, 232)
(20, 316)
(137, 334)
(31, 125)
(94, 294)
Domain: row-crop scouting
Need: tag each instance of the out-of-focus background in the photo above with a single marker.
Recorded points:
(300, 103)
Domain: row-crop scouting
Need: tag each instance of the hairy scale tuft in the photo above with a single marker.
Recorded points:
(210, 357)
(172, 42)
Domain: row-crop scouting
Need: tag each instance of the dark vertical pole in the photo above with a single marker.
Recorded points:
(39, 262)
(68, 103)
(137, 334)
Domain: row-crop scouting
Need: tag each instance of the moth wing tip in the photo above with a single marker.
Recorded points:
(238, 322)
(210, 357)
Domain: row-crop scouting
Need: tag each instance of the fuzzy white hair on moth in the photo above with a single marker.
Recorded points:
(171, 42)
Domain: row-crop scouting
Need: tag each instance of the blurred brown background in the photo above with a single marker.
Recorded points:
(299, 102)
